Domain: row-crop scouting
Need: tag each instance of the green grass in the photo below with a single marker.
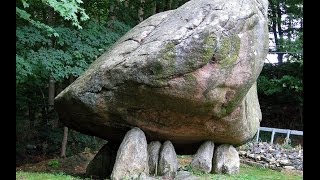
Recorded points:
(246, 173)
(252, 173)
(20, 175)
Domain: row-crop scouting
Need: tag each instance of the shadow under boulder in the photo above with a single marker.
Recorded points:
(102, 164)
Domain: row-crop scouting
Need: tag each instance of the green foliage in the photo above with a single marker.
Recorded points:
(68, 9)
(54, 163)
(37, 58)
(79, 142)
(264, 136)
(280, 92)
(67, 55)
(282, 81)
(273, 86)
(26, 16)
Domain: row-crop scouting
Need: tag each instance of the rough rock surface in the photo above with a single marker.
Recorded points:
(168, 162)
(132, 156)
(102, 164)
(226, 160)
(191, 69)
(154, 152)
(202, 160)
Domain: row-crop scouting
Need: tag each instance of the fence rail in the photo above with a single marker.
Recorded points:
(276, 130)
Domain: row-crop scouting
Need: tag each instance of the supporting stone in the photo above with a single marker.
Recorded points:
(226, 160)
(132, 156)
(154, 152)
(168, 162)
(202, 160)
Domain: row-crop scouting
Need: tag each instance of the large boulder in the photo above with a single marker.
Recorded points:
(202, 160)
(132, 156)
(191, 70)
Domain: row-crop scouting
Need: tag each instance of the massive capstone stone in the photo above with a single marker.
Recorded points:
(186, 75)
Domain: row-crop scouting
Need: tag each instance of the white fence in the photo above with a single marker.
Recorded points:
(275, 130)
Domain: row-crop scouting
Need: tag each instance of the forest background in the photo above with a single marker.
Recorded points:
(56, 41)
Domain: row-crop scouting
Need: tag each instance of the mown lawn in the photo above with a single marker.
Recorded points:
(246, 173)
(20, 175)
(253, 173)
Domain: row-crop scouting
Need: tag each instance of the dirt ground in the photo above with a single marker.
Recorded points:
(74, 165)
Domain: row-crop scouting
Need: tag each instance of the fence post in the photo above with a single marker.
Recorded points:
(288, 136)
(257, 138)
(272, 135)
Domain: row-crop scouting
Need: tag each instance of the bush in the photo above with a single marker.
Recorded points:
(54, 163)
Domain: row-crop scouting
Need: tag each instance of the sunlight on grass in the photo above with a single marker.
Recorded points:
(43, 176)
(252, 173)
(246, 173)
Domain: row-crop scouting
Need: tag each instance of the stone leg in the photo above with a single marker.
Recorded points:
(202, 160)
(168, 162)
(226, 160)
(154, 152)
(132, 156)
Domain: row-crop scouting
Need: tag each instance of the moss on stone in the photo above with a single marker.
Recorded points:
(236, 100)
(229, 50)
(208, 48)
(190, 78)
(157, 68)
(164, 66)
(169, 52)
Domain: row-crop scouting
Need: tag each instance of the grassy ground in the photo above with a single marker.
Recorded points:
(73, 168)
(253, 173)
(246, 173)
(43, 176)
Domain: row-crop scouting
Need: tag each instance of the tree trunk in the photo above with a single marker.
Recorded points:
(51, 102)
(290, 28)
(154, 10)
(168, 5)
(111, 12)
(159, 7)
(64, 142)
(141, 11)
(274, 25)
(65, 130)
(31, 115)
(51, 93)
(280, 31)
